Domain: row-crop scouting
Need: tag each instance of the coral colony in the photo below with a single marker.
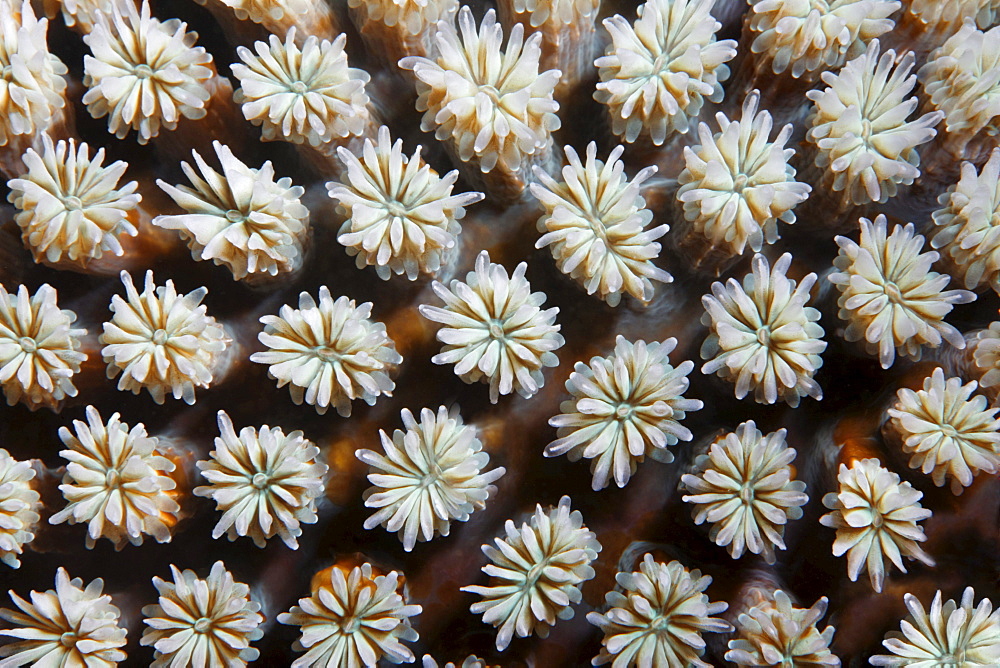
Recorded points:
(740, 257)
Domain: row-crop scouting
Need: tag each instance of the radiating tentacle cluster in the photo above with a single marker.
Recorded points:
(658, 617)
(595, 225)
(492, 104)
(161, 341)
(70, 625)
(876, 519)
(118, 482)
(353, 617)
(536, 572)
(197, 622)
(19, 506)
(242, 218)
(625, 407)
(265, 482)
(805, 36)
(953, 632)
(400, 214)
(737, 184)
(145, 74)
(69, 204)
(866, 146)
(302, 94)
(960, 80)
(328, 353)
(39, 349)
(744, 488)
(429, 475)
(658, 72)
(494, 329)
(946, 431)
(968, 222)
(776, 633)
(32, 88)
(763, 336)
(889, 297)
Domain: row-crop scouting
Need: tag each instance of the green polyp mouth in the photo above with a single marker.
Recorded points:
(143, 71)
(624, 411)
(893, 292)
(764, 336)
(327, 354)
(491, 92)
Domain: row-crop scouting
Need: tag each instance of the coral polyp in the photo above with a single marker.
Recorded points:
(479, 333)
(537, 570)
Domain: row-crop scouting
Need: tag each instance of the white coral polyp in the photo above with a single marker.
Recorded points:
(762, 335)
(400, 214)
(267, 12)
(78, 14)
(947, 432)
(353, 617)
(949, 634)
(68, 626)
(657, 73)
(32, 87)
(117, 482)
(867, 147)
(536, 571)
(945, 18)
(430, 474)
(494, 329)
(304, 94)
(242, 218)
(595, 225)
(736, 185)
(744, 488)
(889, 296)
(555, 12)
(328, 353)
(493, 105)
(145, 74)
(960, 78)
(414, 16)
(161, 341)
(876, 519)
(968, 222)
(658, 617)
(19, 506)
(776, 633)
(985, 345)
(202, 623)
(39, 349)
(805, 36)
(265, 482)
(69, 204)
(625, 407)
